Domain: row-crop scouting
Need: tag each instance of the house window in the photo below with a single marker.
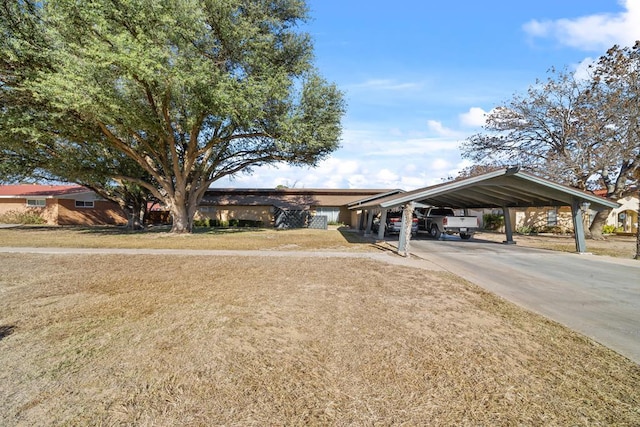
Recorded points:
(84, 204)
(36, 203)
(552, 217)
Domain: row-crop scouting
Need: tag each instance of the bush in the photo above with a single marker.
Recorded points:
(249, 223)
(22, 217)
(554, 229)
(525, 229)
(493, 221)
(611, 229)
(213, 222)
(201, 222)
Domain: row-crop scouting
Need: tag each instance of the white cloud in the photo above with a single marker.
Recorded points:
(440, 165)
(475, 117)
(382, 143)
(439, 129)
(595, 32)
(582, 71)
(340, 167)
(385, 175)
(412, 147)
(359, 181)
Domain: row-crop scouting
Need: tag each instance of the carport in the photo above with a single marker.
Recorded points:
(504, 188)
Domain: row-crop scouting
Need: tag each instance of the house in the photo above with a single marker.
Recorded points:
(266, 205)
(58, 205)
(625, 218)
(546, 219)
(77, 205)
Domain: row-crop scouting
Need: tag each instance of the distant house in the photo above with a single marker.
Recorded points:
(558, 219)
(59, 204)
(265, 205)
(551, 219)
(625, 218)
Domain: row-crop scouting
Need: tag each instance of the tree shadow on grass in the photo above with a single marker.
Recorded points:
(6, 330)
(165, 229)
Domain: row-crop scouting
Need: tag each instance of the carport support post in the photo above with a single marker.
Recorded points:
(383, 224)
(578, 226)
(508, 229)
(405, 229)
(367, 231)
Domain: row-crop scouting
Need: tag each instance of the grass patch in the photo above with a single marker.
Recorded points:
(171, 340)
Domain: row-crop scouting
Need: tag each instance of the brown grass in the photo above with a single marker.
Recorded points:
(204, 238)
(240, 341)
(614, 246)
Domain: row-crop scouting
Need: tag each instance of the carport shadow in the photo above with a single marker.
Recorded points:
(354, 236)
(423, 235)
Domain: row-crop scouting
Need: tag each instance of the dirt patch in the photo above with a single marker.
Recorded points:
(165, 340)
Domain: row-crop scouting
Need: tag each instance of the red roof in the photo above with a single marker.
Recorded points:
(37, 190)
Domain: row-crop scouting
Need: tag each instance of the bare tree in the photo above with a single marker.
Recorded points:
(583, 133)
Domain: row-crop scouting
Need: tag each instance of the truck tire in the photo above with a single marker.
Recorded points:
(465, 236)
(435, 232)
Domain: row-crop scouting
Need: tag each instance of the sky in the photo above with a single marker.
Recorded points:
(419, 75)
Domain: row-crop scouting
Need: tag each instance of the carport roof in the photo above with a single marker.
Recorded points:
(502, 188)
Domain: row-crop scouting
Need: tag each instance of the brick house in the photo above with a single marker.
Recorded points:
(558, 219)
(60, 204)
(259, 204)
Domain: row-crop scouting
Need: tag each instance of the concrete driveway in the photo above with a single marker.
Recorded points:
(595, 295)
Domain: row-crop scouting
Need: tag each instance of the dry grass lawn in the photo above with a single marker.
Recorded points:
(241, 341)
(614, 246)
(204, 238)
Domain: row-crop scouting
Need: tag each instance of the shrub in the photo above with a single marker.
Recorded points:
(525, 229)
(611, 229)
(22, 217)
(201, 222)
(234, 222)
(249, 223)
(555, 229)
(493, 221)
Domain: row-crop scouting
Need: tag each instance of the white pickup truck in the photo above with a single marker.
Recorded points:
(443, 220)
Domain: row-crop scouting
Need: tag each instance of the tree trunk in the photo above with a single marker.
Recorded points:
(598, 222)
(135, 212)
(182, 221)
(131, 219)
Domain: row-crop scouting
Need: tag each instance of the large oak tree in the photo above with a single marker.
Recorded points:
(189, 90)
(580, 132)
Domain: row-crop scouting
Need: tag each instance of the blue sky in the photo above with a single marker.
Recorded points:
(418, 76)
